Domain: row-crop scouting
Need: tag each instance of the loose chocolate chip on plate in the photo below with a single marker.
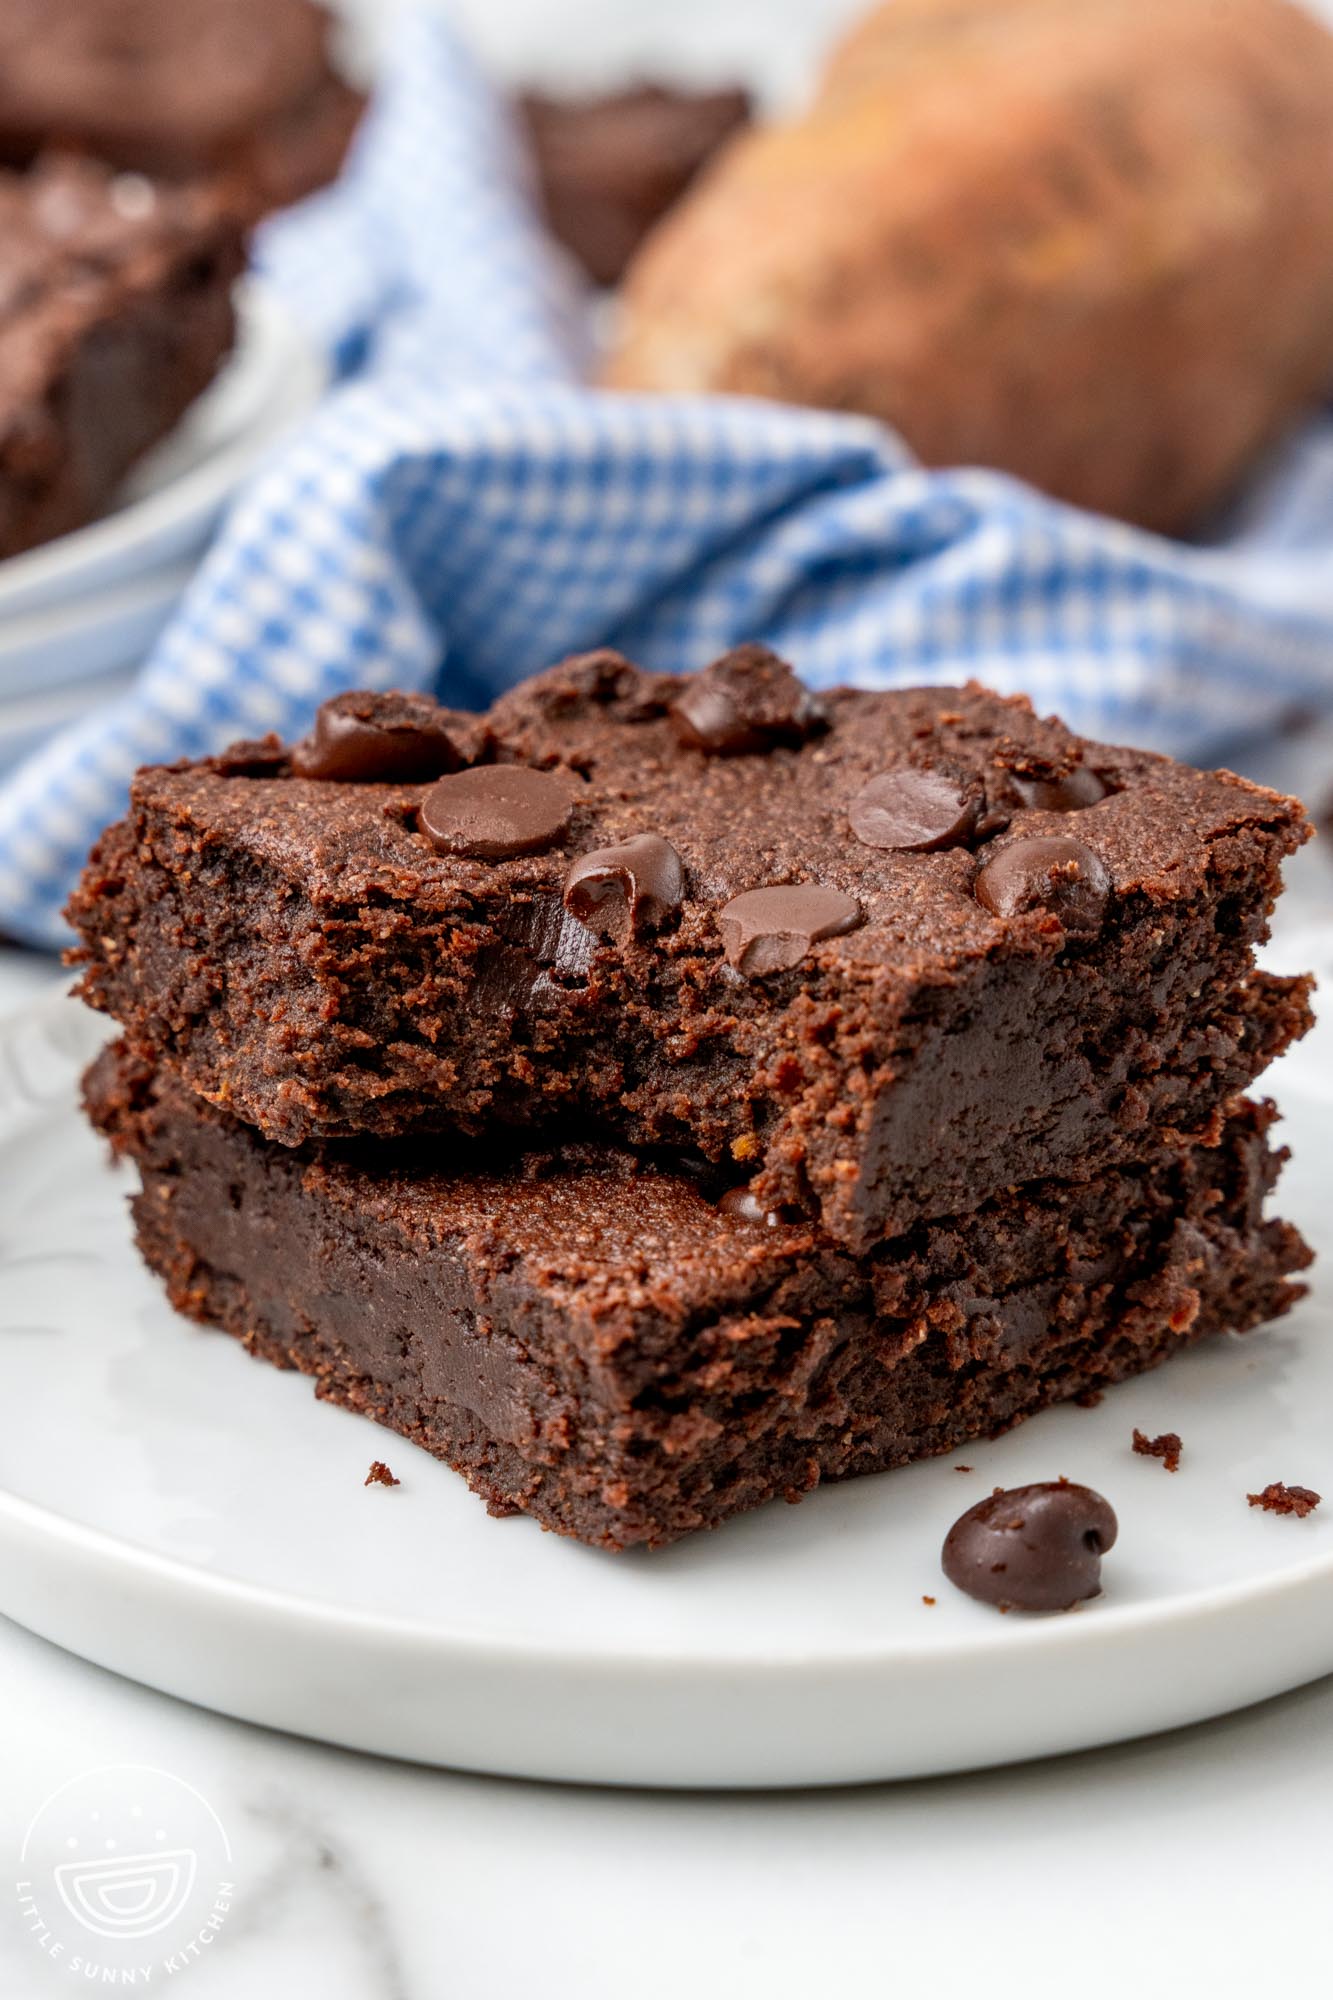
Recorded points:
(1071, 792)
(628, 889)
(913, 811)
(384, 739)
(769, 930)
(1059, 875)
(496, 811)
(1034, 1548)
(746, 702)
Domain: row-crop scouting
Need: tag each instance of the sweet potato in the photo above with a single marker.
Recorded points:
(1087, 241)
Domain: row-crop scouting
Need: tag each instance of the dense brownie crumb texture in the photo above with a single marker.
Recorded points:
(607, 1343)
(877, 956)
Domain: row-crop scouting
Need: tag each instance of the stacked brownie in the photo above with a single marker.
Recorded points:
(658, 1095)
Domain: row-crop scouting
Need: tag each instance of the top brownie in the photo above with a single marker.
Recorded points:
(178, 88)
(881, 954)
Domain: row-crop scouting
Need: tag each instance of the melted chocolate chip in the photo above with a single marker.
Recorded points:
(368, 739)
(742, 1206)
(1055, 874)
(629, 889)
(769, 930)
(1071, 792)
(913, 811)
(496, 811)
(1035, 1548)
(746, 702)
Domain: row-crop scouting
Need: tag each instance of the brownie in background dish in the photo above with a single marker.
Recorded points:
(593, 1340)
(610, 167)
(115, 312)
(244, 90)
(883, 955)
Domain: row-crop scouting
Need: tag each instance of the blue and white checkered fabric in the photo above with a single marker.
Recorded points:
(461, 512)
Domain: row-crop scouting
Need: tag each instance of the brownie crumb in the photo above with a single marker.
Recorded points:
(962, 1468)
(380, 1475)
(1167, 1447)
(1088, 1399)
(1279, 1499)
(927, 1600)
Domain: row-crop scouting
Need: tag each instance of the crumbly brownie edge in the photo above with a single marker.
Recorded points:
(810, 1384)
(304, 1023)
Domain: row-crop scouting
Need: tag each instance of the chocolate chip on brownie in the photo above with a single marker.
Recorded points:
(1053, 874)
(363, 738)
(626, 890)
(770, 930)
(496, 811)
(748, 701)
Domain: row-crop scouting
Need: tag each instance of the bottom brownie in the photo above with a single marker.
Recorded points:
(589, 1339)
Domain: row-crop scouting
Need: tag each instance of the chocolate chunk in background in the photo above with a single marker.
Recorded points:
(770, 930)
(626, 890)
(913, 811)
(1070, 791)
(365, 738)
(609, 167)
(1278, 1498)
(496, 811)
(1032, 1548)
(1052, 873)
(745, 703)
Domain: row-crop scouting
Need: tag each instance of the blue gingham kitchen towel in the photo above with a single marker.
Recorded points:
(462, 512)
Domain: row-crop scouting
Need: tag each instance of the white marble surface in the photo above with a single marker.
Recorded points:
(1189, 1864)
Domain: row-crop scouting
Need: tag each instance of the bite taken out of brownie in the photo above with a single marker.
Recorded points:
(590, 1338)
(884, 955)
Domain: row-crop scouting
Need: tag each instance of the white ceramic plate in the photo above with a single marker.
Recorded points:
(171, 1509)
(173, 499)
